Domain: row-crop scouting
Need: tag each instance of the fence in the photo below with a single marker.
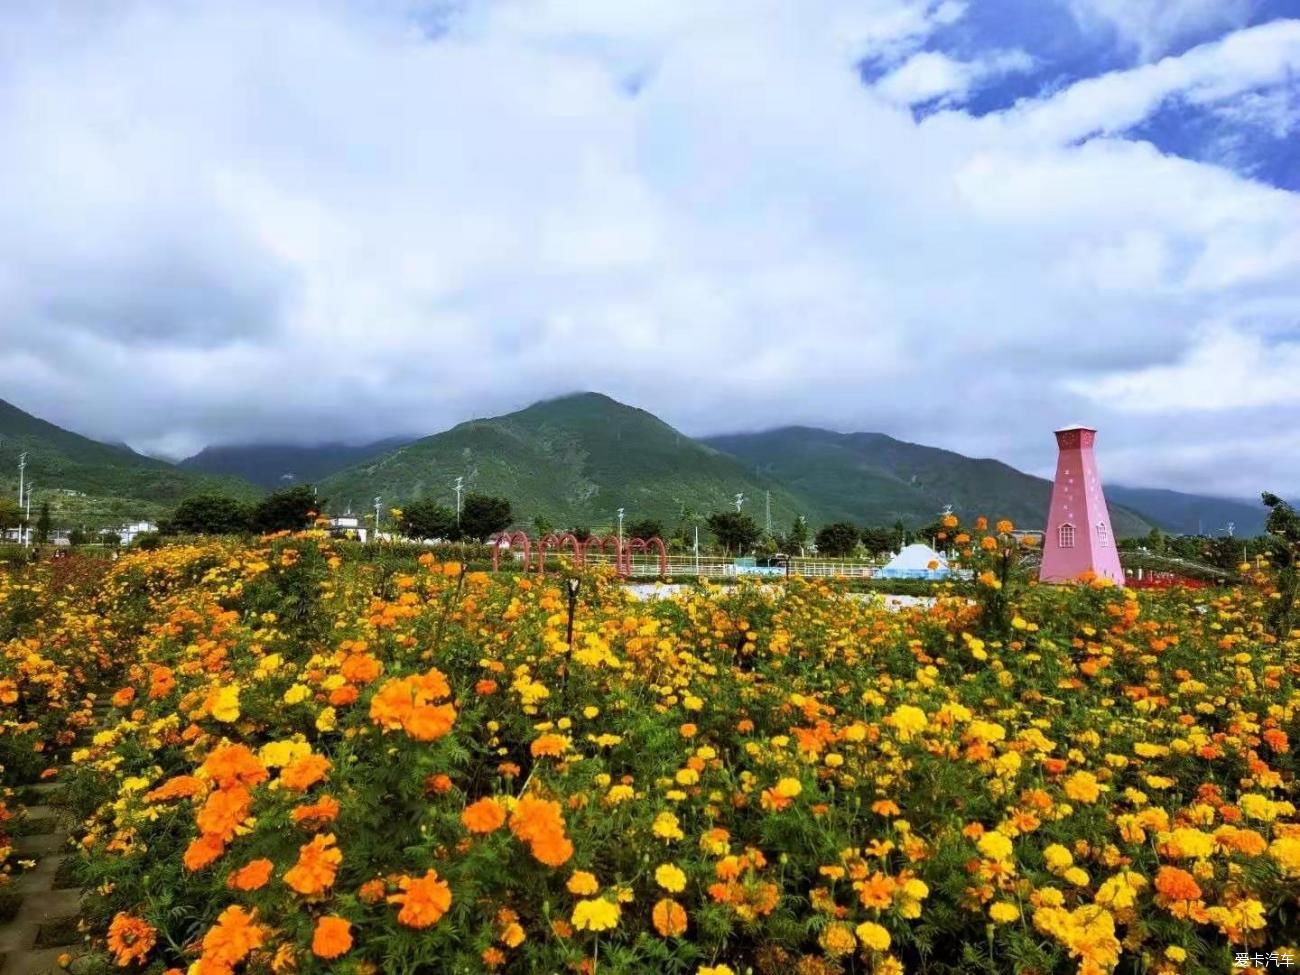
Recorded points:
(717, 568)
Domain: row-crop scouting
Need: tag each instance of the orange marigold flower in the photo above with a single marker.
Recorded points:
(493, 957)
(484, 816)
(235, 935)
(341, 697)
(669, 918)
(424, 900)
(233, 765)
(438, 784)
(202, 852)
(332, 937)
(224, 811)
(251, 876)
(317, 863)
(360, 668)
(551, 746)
(486, 688)
(301, 774)
(1177, 885)
(372, 891)
(177, 787)
(319, 813)
(130, 938)
(123, 697)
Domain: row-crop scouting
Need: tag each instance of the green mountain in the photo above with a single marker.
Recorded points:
(873, 479)
(1192, 514)
(94, 483)
(275, 465)
(574, 460)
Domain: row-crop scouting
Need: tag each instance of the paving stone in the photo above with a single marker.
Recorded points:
(17, 936)
(43, 961)
(41, 877)
(40, 843)
(51, 905)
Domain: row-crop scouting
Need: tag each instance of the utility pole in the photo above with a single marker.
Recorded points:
(459, 482)
(697, 549)
(767, 515)
(22, 468)
(377, 500)
(27, 528)
(620, 529)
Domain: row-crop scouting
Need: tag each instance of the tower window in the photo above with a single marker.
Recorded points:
(1065, 536)
(1103, 534)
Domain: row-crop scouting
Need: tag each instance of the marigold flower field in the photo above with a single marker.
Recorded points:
(313, 763)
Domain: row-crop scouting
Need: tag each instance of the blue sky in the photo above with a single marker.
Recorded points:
(960, 222)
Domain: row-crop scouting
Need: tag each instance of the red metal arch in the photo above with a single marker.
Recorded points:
(600, 543)
(644, 545)
(557, 542)
(510, 538)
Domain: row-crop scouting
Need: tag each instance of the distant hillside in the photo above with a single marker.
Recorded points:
(575, 460)
(91, 481)
(276, 465)
(871, 478)
(1192, 514)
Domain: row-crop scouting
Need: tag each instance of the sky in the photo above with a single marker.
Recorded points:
(959, 222)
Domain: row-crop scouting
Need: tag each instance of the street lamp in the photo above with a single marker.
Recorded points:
(377, 500)
(739, 500)
(620, 527)
(459, 482)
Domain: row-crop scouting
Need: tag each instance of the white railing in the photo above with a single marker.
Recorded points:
(718, 568)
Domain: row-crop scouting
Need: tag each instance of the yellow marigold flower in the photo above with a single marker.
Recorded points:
(788, 788)
(1083, 787)
(225, 703)
(670, 878)
(1176, 954)
(715, 970)
(596, 914)
(297, 694)
(582, 883)
(1003, 912)
(1120, 891)
(1285, 851)
(995, 846)
(1057, 858)
(837, 939)
(666, 827)
(907, 720)
(873, 936)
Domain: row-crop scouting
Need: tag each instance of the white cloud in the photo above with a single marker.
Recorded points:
(931, 75)
(223, 221)
(1224, 370)
(1151, 27)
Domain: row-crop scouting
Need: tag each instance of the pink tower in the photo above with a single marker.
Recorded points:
(1079, 537)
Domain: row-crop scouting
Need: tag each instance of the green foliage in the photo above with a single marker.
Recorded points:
(11, 516)
(644, 528)
(734, 531)
(837, 540)
(44, 523)
(289, 510)
(482, 515)
(426, 518)
(208, 514)
(1284, 526)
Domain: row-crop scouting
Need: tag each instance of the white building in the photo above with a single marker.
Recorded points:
(348, 526)
(129, 533)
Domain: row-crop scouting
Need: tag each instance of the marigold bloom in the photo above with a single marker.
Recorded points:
(224, 811)
(130, 938)
(251, 876)
(669, 918)
(596, 914)
(424, 900)
(319, 813)
(671, 878)
(582, 883)
(317, 864)
(873, 936)
(235, 935)
(483, 816)
(177, 787)
(1177, 885)
(202, 852)
(332, 937)
(232, 765)
(301, 774)
(549, 746)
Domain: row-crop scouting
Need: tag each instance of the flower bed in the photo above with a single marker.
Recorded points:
(314, 766)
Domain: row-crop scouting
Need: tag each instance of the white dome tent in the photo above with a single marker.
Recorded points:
(916, 561)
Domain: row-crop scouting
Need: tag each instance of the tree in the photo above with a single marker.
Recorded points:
(542, 525)
(44, 524)
(78, 536)
(292, 509)
(644, 528)
(427, 519)
(733, 530)
(797, 539)
(580, 533)
(11, 516)
(1284, 525)
(482, 515)
(208, 514)
(879, 541)
(837, 539)
(110, 539)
